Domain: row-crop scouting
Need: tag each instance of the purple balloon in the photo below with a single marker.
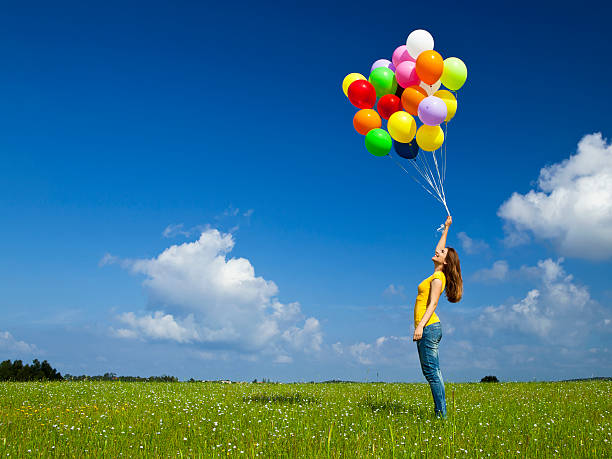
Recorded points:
(400, 55)
(432, 111)
(382, 63)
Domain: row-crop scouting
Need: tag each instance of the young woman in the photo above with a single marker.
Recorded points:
(428, 331)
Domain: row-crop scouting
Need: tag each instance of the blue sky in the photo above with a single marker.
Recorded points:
(222, 131)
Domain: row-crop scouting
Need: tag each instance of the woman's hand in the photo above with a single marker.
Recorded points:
(418, 334)
(448, 222)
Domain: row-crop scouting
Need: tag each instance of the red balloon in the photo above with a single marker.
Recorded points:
(362, 94)
(388, 105)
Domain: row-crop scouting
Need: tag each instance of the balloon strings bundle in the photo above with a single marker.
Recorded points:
(431, 182)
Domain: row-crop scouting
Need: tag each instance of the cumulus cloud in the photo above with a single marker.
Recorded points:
(550, 328)
(557, 311)
(471, 246)
(384, 350)
(8, 343)
(571, 206)
(199, 295)
(499, 271)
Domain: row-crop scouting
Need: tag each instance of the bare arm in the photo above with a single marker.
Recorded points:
(442, 243)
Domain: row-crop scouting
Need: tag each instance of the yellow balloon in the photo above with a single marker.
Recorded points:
(430, 138)
(349, 79)
(450, 101)
(401, 126)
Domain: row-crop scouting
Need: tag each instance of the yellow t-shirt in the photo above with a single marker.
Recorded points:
(422, 299)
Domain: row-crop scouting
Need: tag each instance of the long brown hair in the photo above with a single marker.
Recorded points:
(452, 272)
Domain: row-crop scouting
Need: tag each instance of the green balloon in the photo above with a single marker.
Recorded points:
(378, 142)
(454, 73)
(383, 80)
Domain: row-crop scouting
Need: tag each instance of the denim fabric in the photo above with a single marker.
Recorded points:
(428, 355)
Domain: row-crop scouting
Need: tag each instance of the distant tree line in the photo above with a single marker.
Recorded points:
(114, 377)
(17, 371)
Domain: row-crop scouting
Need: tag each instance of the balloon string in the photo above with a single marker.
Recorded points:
(429, 175)
(439, 197)
(445, 141)
(413, 178)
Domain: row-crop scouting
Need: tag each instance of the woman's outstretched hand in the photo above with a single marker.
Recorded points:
(448, 222)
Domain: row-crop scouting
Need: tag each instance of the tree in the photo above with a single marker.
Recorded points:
(17, 371)
(489, 378)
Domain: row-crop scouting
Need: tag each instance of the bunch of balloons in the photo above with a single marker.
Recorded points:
(400, 89)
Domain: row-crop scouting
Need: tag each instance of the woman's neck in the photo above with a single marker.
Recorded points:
(438, 267)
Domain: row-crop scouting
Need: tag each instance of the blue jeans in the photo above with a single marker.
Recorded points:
(428, 355)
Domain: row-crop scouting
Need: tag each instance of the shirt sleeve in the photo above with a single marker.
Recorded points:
(440, 275)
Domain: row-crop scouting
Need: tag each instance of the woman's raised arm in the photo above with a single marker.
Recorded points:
(442, 243)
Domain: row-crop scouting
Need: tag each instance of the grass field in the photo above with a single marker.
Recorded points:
(111, 419)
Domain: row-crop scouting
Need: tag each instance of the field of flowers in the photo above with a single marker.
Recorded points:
(112, 419)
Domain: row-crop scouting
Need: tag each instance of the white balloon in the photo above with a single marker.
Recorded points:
(430, 88)
(418, 41)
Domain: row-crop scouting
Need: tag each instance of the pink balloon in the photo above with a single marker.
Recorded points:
(400, 55)
(406, 75)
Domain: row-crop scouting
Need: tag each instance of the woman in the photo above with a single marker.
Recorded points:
(428, 331)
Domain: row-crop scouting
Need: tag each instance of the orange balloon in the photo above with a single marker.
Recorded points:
(412, 97)
(365, 120)
(429, 66)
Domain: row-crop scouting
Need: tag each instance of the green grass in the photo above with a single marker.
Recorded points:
(112, 419)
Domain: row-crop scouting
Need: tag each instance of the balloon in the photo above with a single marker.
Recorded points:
(418, 41)
(408, 150)
(383, 80)
(381, 63)
(349, 79)
(378, 142)
(388, 105)
(400, 55)
(362, 94)
(402, 127)
(454, 74)
(429, 66)
(406, 74)
(450, 101)
(411, 98)
(430, 138)
(430, 89)
(432, 110)
(365, 120)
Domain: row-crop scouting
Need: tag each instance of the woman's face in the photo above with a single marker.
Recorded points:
(440, 256)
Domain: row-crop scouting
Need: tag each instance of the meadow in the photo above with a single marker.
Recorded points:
(114, 419)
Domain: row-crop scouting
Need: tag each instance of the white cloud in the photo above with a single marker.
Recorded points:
(557, 311)
(283, 359)
(108, 259)
(394, 290)
(159, 326)
(384, 350)
(8, 343)
(198, 295)
(499, 271)
(471, 246)
(572, 206)
(175, 230)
